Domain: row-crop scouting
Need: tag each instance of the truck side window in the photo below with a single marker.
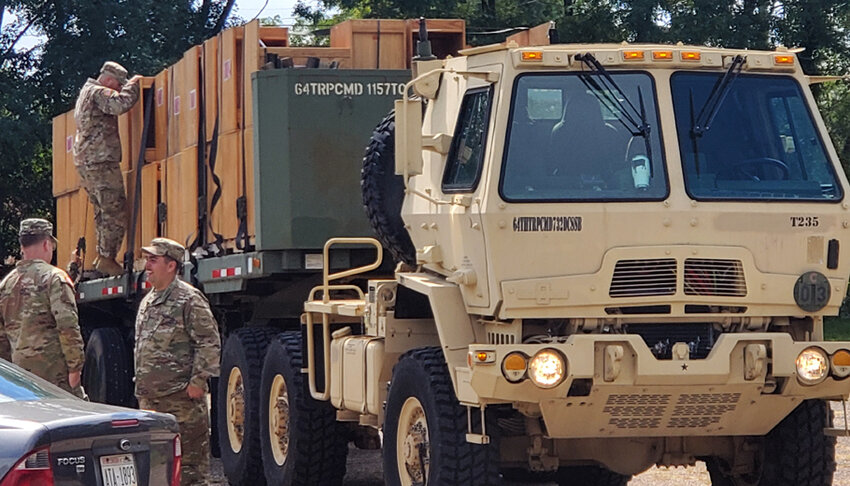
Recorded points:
(466, 155)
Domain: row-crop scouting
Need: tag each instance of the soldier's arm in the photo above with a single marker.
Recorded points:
(117, 102)
(203, 332)
(64, 309)
(5, 347)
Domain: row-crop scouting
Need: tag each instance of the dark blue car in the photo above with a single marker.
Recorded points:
(50, 438)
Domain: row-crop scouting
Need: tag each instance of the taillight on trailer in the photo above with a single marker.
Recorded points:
(175, 465)
(32, 470)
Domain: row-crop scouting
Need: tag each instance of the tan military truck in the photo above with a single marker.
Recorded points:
(612, 257)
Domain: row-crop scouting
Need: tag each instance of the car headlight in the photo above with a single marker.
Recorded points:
(547, 368)
(812, 366)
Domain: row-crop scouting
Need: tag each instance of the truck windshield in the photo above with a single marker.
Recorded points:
(569, 140)
(762, 144)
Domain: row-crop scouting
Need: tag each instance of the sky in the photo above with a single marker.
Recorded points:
(247, 9)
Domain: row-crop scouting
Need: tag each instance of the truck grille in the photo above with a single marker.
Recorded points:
(686, 411)
(714, 277)
(638, 278)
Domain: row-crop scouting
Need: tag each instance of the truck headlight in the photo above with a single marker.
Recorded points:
(514, 367)
(812, 366)
(547, 368)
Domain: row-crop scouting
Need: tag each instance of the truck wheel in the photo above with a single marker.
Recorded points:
(425, 428)
(383, 192)
(303, 444)
(590, 476)
(107, 370)
(796, 452)
(239, 406)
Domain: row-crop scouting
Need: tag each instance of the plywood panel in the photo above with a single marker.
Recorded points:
(228, 168)
(176, 109)
(130, 184)
(124, 133)
(59, 184)
(374, 43)
(248, 140)
(230, 79)
(189, 86)
(148, 224)
(161, 110)
(63, 229)
(188, 180)
(252, 59)
(210, 68)
(72, 179)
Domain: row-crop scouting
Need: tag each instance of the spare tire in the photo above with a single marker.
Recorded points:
(383, 192)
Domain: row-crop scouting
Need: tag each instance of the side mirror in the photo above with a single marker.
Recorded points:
(408, 138)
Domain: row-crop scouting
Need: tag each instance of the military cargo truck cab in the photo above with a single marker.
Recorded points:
(613, 256)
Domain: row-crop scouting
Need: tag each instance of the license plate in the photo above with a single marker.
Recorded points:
(118, 470)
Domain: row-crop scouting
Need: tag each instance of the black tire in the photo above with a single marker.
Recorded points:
(316, 447)
(796, 452)
(422, 374)
(108, 368)
(241, 362)
(383, 192)
(590, 476)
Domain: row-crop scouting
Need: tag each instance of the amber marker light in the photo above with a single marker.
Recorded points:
(662, 55)
(481, 357)
(690, 56)
(532, 55)
(841, 363)
(514, 367)
(633, 55)
(783, 59)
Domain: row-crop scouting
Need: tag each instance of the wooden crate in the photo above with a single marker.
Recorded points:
(130, 186)
(176, 108)
(230, 79)
(447, 36)
(211, 92)
(161, 111)
(189, 86)
(148, 222)
(72, 179)
(374, 43)
(180, 176)
(130, 128)
(535, 36)
(257, 40)
(59, 159)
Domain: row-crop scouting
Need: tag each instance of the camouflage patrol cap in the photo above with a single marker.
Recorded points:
(115, 70)
(165, 247)
(36, 227)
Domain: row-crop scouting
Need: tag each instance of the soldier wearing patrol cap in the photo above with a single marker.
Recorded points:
(97, 156)
(177, 350)
(39, 329)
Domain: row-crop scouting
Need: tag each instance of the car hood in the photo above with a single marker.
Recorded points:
(30, 424)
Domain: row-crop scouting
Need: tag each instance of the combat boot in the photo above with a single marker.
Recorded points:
(108, 266)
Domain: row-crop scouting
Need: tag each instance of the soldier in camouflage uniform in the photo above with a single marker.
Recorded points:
(97, 155)
(177, 350)
(39, 330)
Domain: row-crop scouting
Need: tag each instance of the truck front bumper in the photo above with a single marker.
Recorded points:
(613, 386)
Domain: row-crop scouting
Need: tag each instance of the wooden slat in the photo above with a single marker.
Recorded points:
(63, 228)
(176, 107)
(248, 140)
(189, 86)
(59, 160)
(228, 169)
(187, 177)
(274, 36)
(72, 179)
(161, 110)
(252, 62)
(148, 227)
(210, 67)
(230, 78)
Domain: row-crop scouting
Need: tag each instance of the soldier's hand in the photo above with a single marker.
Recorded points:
(135, 78)
(74, 379)
(194, 392)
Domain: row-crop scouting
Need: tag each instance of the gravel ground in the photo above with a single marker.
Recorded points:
(365, 469)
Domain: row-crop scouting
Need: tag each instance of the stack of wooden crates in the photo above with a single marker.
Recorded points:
(214, 79)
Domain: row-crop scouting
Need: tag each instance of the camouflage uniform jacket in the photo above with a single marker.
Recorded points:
(39, 329)
(177, 341)
(96, 114)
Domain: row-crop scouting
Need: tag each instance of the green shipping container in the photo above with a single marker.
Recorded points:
(311, 127)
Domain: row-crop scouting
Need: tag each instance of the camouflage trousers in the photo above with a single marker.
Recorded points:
(194, 420)
(105, 186)
(52, 369)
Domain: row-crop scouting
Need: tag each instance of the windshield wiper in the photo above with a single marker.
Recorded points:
(632, 118)
(715, 99)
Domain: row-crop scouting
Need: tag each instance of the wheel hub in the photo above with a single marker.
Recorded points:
(412, 444)
(235, 409)
(279, 419)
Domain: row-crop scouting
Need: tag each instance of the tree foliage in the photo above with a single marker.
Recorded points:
(37, 83)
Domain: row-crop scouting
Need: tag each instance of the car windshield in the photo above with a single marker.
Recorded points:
(571, 139)
(762, 143)
(18, 385)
